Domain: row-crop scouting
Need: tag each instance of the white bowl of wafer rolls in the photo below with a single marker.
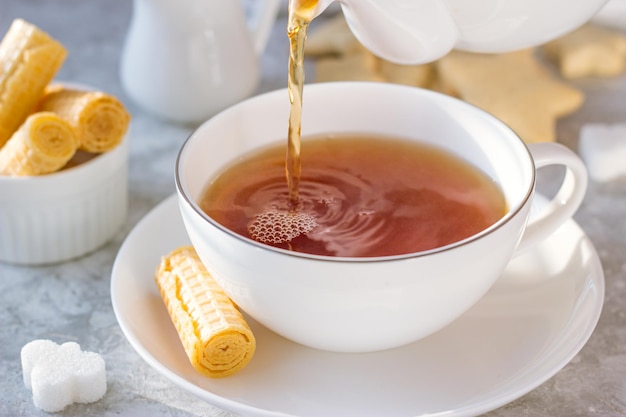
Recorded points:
(63, 155)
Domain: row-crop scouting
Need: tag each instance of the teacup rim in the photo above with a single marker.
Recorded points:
(508, 216)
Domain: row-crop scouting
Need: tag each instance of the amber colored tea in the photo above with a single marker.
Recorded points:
(360, 196)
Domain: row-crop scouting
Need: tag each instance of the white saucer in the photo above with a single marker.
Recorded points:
(529, 326)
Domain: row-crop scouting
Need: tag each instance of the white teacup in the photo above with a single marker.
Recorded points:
(368, 304)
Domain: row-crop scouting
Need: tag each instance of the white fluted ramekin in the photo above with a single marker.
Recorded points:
(60, 216)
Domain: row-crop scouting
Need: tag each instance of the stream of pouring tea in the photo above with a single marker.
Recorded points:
(301, 12)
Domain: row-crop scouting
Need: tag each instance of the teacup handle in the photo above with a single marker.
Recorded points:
(566, 200)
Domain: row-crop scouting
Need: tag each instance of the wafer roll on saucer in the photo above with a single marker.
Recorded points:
(29, 60)
(43, 144)
(99, 119)
(213, 332)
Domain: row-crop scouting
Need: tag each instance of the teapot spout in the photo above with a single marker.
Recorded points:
(404, 32)
(413, 32)
(309, 9)
(323, 5)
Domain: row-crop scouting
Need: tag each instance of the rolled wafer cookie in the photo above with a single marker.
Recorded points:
(214, 334)
(99, 119)
(29, 60)
(43, 144)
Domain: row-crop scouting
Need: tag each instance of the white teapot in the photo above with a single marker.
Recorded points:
(420, 31)
(185, 60)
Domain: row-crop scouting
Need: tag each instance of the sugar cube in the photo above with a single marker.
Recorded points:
(60, 375)
(603, 149)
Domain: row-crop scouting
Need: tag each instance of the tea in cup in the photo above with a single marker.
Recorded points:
(377, 160)
(359, 196)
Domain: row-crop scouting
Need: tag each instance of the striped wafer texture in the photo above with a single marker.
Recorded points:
(99, 119)
(44, 143)
(214, 334)
(29, 60)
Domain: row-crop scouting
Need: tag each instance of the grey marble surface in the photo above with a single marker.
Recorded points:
(71, 301)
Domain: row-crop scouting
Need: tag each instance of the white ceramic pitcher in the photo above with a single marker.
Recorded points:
(419, 31)
(185, 60)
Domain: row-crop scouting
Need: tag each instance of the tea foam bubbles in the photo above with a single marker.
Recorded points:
(279, 226)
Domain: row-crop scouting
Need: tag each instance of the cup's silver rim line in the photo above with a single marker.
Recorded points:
(511, 213)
